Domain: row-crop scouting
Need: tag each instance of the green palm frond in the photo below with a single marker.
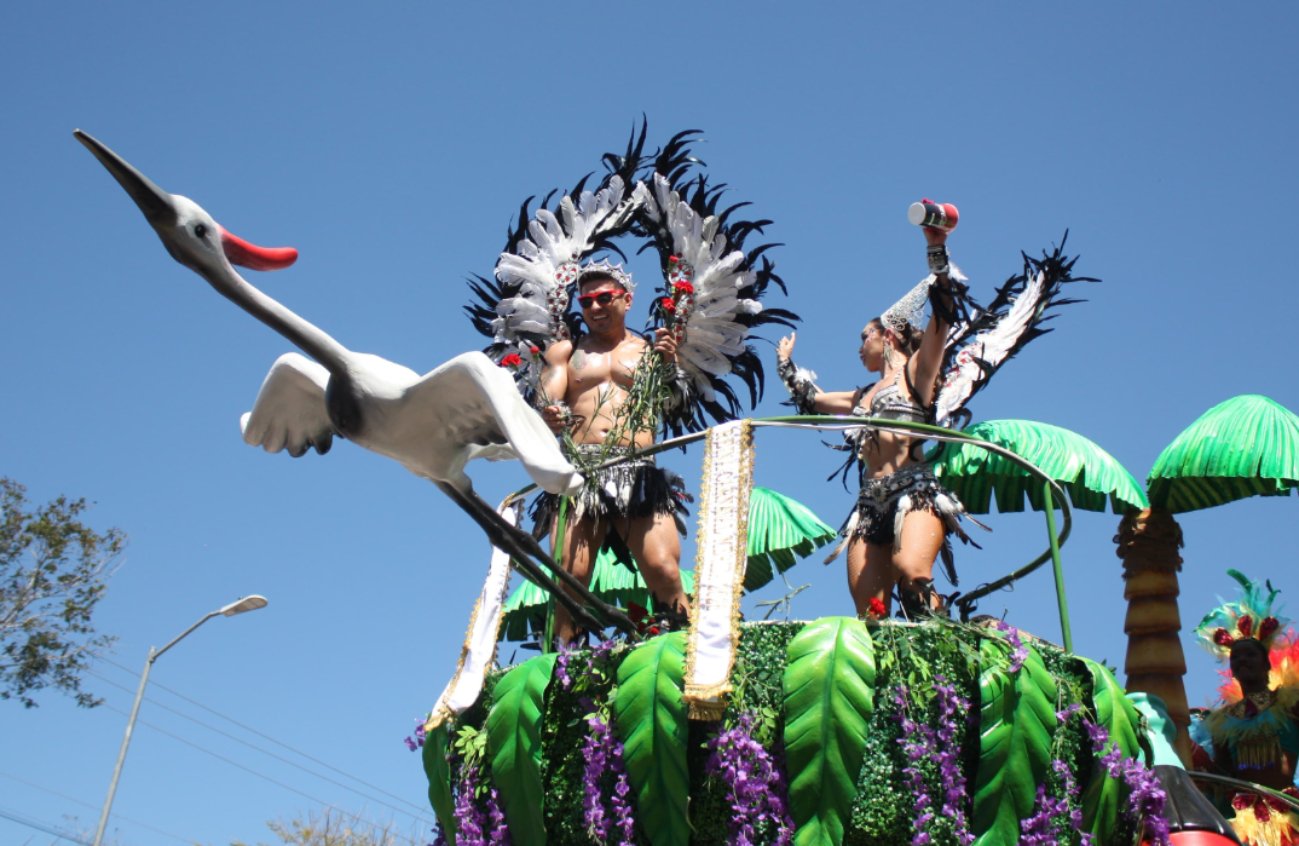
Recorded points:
(525, 610)
(1246, 446)
(1092, 477)
(781, 530)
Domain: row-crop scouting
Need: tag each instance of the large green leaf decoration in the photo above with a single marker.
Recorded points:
(1115, 714)
(1092, 477)
(525, 610)
(1016, 722)
(649, 716)
(829, 696)
(1246, 446)
(514, 746)
(781, 530)
(439, 781)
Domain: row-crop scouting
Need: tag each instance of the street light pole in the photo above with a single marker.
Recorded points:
(248, 603)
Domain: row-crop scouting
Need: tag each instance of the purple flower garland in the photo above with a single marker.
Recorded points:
(1146, 796)
(413, 743)
(603, 754)
(479, 821)
(921, 742)
(755, 784)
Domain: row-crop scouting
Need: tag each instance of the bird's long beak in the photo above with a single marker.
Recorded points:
(159, 209)
(155, 203)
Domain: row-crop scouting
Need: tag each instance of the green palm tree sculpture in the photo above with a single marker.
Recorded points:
(1246, 446)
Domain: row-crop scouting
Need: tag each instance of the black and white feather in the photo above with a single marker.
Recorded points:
(526, 304)
(682, 216)
(977, 348)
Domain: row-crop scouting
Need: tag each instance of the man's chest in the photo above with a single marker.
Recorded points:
(589, 367)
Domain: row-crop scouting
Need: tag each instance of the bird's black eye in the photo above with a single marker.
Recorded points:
(201, 230)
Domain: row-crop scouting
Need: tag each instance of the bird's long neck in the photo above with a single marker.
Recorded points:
(309, 338)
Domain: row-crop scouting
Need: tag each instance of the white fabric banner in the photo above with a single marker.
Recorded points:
(721, 542)
(479, 651)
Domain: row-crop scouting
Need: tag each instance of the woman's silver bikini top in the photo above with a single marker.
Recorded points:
(891, 403)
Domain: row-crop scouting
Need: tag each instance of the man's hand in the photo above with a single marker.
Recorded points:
(665, 345)
(557, 417)
(785, 347)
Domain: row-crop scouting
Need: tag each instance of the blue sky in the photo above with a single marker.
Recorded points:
(393, 145)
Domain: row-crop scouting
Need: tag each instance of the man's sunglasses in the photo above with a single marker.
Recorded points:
(602, 297)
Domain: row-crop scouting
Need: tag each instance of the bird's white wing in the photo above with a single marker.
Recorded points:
(476, 411)
(290, 409)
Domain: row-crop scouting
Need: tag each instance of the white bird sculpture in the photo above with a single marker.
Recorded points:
(433, 424)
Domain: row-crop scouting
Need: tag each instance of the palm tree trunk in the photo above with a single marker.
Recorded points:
(1148, 543)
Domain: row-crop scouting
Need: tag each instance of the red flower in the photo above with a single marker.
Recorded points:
(683, 287)
(1267, 627)
(875, 608)
(668, 304)
(1223, 638)
(512, 360)
(1245, 625)
(534, 349)
(673, 259)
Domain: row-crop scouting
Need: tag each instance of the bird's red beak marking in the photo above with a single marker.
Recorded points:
(244, 254)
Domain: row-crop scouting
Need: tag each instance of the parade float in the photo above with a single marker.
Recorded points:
(841, 730)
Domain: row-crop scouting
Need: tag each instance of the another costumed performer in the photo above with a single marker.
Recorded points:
(929, 368)
(1255, 733)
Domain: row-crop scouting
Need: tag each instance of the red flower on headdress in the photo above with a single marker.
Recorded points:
(669, 305)
(512, 360)
(673, 259)
(683, 287)
(1223, 638)
(1262, 811)
(1245, 625)
(1267, 627)
(875, 608)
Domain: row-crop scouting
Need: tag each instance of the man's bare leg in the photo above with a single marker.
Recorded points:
(582, 540)
(654, 543)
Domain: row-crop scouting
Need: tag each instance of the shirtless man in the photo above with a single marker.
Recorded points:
(634, 500)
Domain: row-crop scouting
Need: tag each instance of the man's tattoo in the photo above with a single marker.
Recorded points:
(579, 359)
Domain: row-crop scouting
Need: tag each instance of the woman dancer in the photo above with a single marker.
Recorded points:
(903, 515)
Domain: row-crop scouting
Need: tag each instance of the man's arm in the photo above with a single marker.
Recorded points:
(554, 386)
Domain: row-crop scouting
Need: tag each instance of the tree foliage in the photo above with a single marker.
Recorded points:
(332, 827)
(54, 569)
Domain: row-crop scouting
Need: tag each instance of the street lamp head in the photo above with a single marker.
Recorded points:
(248, 603)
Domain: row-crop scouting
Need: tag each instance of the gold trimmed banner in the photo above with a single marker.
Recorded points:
(479, 650)
(721, 543)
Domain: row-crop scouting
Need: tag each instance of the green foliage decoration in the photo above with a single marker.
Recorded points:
(1114, 713)
(1006, 751)
(650, 719)
(1017, 720)
(514, 746)
(439, 780)
(829, 696)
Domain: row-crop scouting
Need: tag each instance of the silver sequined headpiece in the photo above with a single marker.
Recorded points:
(910, 310)
(613, 271)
